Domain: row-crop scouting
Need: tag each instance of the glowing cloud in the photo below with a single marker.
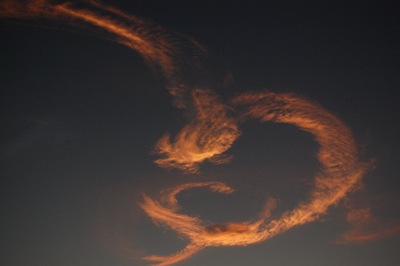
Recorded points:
(156, 45)
(213, 130)
(339, 173)
(210, 134)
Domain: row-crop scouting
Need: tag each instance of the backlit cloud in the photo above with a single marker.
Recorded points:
(211, 133)
(160, 48)
(213, 130)
(340, 171)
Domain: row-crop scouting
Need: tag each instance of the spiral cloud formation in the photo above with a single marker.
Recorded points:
(213, 130)
(340, 171)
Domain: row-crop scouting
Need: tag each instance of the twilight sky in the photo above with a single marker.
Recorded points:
(131, 134)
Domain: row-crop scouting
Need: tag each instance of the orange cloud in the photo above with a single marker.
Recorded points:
(340, 171)
(156, 45)
(214, 130)
(211, 133)
(366, 226)
(165, 212)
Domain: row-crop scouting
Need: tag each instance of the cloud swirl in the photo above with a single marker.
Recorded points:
(340, 171)
(213, 129)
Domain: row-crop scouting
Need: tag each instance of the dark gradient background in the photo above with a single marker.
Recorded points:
(80, 115)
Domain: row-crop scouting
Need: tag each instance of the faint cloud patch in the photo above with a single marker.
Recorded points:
(29, 133)
(371, 218)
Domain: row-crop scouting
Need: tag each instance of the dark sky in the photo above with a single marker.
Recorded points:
(81, 114)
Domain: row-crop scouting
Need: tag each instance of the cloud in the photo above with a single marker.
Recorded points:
(365, 224)
(213, 130)
(339, 174)
(211, 133)
(169, 52)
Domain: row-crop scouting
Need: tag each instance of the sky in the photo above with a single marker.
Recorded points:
(199, 133)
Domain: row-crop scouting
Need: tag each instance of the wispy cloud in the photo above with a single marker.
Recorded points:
(160, 48)
(35, 131)
(210, 134)
(213, 130)
(366, 225)
(340, 171)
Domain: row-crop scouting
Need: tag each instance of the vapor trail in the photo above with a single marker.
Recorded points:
(340, 171)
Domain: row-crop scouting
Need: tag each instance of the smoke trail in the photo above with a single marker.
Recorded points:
(341, 170)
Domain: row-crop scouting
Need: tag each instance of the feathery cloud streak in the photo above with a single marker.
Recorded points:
(211, 132)
(156, 45)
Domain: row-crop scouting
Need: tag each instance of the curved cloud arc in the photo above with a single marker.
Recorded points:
(159, 47)
(340, 171)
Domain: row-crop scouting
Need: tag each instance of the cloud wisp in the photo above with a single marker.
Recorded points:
(206, 137)
(366, 225)
(161, 49)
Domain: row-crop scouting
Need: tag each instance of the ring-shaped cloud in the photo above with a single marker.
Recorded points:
(340, 171)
